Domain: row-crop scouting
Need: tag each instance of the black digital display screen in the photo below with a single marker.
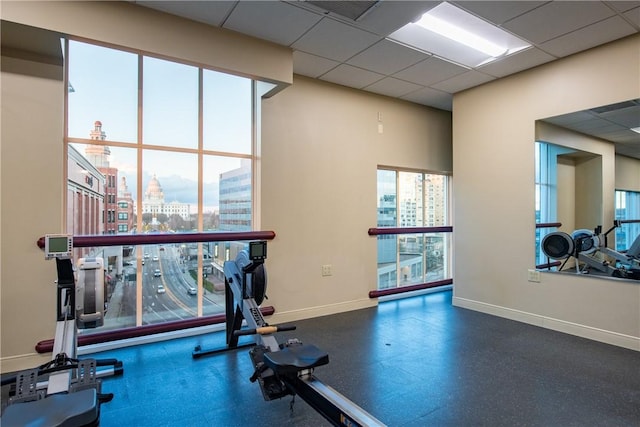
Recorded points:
(58, 244)
(257, 250)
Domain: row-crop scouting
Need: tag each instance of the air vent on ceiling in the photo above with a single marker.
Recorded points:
(353, 10)
(614, 107)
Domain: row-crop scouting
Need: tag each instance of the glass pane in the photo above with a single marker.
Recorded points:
(227, 189)
(119, 285)
(234, 194)
(387, 265)
(170, 196)
(170, 104)
(410, 199)
(165, 287)
(437, 254)
(411, 259)
(226, 113)
(386, 198)
(101, 189)
(627, 208)
(435, 193)
(169, 191)
(103, 86)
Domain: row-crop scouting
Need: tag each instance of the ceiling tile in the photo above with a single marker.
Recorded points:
(431, 97)
(347, 75)
(623, 5)
(269, 20)
(499, 12)
(212, 13)
(633, 16)
(388, 16)
(431, 70)
(392, 87)
(311, 65)
(587, 37)
(528, 58)
(387, 57)
(557, 18)
(334, 40)
(463, 81)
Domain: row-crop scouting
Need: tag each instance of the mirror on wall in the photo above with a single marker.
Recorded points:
(587, 187)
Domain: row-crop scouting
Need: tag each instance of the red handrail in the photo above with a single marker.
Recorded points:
(549, 225)
(403, 289)
(160, 238)
(409, 230)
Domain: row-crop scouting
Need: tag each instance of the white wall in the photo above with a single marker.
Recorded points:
(494, 223)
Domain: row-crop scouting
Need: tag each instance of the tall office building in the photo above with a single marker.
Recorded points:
(235, 198)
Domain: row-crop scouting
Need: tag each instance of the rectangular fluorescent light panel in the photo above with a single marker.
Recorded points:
(447, 31)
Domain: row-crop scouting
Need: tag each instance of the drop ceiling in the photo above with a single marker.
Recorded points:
(346, 42)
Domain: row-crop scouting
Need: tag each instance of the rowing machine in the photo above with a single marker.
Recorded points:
(65, 391)
(280, 369)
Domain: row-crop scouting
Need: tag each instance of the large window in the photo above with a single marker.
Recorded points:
(158, 146)
(412, 199)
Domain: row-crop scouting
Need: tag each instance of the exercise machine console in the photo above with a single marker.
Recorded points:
(65, 391)
(280, 369)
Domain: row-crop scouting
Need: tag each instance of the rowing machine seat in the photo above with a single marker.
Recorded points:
(80, 408)
(292, 359)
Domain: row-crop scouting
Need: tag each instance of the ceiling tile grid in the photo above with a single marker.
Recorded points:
(356, 52)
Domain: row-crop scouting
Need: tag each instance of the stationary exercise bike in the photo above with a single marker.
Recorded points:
(280, 369)
(65, 391)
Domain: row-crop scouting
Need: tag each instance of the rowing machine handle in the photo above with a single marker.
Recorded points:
(264, 330)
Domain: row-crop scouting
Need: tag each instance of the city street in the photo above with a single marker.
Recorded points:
(169, 292)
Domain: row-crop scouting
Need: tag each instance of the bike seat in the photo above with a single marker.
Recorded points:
(295, 358)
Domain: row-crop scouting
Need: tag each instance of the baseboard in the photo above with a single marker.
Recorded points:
(596, 334)
(22, 362)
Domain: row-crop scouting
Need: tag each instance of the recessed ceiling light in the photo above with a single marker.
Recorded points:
(456, 35)
(460, 35)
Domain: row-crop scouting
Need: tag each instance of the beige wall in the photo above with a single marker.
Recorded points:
(493, 135)
(627, 173)
(31, 185)
(320, 150)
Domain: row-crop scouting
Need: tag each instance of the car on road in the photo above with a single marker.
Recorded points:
(161, 289)
(192, 291)
(155, 258)
(157, 273)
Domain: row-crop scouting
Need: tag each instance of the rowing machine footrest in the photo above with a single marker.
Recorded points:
(295, 358)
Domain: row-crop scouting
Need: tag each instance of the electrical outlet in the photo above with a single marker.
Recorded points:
(533, 276)
(326, 270)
